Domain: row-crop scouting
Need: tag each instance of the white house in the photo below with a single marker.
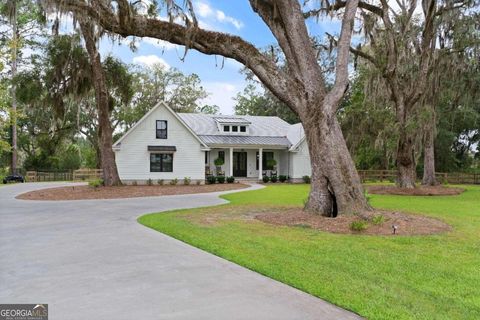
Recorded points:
(168, 145)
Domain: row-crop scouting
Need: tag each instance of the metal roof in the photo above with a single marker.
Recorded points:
(245, 140)
(231, 120)
(205, 124)
(162, 148)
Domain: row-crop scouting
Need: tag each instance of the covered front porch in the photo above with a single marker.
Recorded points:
(241, 162)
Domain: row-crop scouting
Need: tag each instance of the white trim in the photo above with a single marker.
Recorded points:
(117, 145)
(295, 147)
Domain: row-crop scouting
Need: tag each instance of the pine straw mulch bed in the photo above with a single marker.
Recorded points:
(418, 191)
(118, 192)
(378, 222)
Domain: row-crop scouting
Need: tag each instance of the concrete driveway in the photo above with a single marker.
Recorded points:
(92, 260)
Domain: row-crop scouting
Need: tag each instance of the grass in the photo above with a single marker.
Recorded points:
(378, 277)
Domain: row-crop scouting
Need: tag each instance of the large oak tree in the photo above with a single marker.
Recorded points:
(300, 84)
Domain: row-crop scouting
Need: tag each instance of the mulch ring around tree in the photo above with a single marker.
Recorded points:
(118, 192)
(378, 223)
(418, 191)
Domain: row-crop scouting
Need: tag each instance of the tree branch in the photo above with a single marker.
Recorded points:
(207, 42)
(343, 49)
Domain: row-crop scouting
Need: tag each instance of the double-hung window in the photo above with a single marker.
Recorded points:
(161, 162)
(162, 126)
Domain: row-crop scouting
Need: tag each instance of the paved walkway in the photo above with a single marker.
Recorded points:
(91, 260)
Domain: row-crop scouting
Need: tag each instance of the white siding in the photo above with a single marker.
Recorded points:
(300, 162)
(133, 158)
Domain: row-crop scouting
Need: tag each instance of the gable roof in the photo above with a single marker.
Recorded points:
(263, 130)
(158, 105)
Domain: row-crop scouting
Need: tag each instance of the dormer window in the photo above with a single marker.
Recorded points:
(233, 125)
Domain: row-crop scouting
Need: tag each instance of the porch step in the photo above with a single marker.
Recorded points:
(243, 179)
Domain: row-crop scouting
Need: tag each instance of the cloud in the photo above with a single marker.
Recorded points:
(211, 15)
(221, 94)
(151, 60)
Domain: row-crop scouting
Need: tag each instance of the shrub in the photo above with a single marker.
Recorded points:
(265, 179)
(160, 182)
(282, 178)
(198, 182)
(271, 163)
(306, 179)
(358, 225)
(96, 183)
(211, 179)
(174, 181)
(187, 181)
(219, 162)
(150, 182)
(274, 179)
(378, 219)
(221, 179)
(134, 182)
(231, 179)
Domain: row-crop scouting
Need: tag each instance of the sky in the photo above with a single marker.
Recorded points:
(221, 79)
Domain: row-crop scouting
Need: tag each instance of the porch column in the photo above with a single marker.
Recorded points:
(231, 162)
(260, 164)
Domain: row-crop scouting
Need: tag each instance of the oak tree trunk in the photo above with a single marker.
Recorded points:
(335, 184)
(429, 178)
(406, 161)
(14, 89)
(107, 156)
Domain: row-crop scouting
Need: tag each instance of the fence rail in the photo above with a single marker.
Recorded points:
(68, 175)
(443, 177)
(87, 174)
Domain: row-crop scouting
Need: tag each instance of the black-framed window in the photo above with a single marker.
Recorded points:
(266, 156)
(162, 127)
(161, 162)
(226, 128)
(221, 155)
(234, 128)
(206, 157)
(243, 129)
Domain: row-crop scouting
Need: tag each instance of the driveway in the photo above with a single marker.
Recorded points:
(92, 260)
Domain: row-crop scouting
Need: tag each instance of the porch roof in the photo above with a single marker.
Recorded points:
(212, 140)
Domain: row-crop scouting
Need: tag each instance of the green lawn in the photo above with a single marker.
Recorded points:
(420, 277)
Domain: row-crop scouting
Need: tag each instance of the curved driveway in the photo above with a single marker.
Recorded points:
(90, 259)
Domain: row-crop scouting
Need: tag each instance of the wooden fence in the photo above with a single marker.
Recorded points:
(68, 175)
(442, 177)
(41, 176)
(87, 174)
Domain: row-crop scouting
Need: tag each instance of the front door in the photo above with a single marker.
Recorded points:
(239, 164)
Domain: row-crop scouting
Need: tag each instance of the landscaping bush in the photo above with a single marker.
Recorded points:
(282, 178)
(378, 219)
(231, 179)
(134, 183)
(149, 182)
(198, 182)
(265, 179)
(211, 179)
(187, 181)
(358, 225)
(174, 181)
(271, 163)
(160, 182)
(221, 179)
(306, 179)
(96, 183)
(274, 179)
